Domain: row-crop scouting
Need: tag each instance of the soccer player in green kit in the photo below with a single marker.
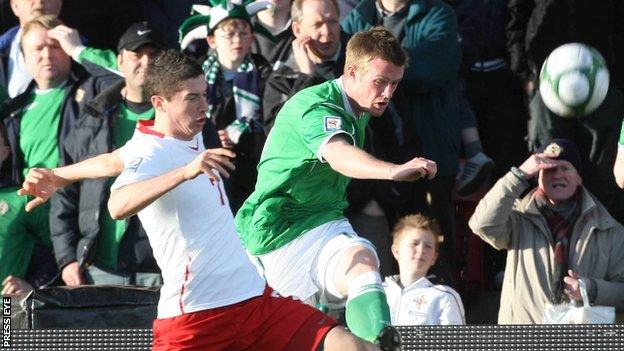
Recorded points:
(293, 223)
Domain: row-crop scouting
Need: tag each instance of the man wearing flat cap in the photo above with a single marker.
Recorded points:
(554, 235)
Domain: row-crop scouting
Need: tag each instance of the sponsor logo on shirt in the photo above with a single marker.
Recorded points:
(4, 208)
(196, 147)
(134, 165)
(333, 123)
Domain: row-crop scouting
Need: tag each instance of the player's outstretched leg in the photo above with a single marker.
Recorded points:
(339, 339)
(367, 312)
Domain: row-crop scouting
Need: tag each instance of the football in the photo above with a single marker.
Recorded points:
(574, 80)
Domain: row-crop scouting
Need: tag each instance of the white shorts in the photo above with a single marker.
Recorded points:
(307, 264)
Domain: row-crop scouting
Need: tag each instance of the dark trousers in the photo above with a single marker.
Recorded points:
(498, 104)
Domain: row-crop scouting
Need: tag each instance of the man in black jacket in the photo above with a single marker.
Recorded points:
(90, 246)
(38, 122)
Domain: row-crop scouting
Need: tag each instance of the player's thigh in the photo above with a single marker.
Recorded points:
(214, 329)
(339, 339)
(292, 269)
(345, 256)
(283, 323)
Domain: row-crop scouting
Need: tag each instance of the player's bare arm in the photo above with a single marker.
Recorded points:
(618, 168)
(356, 163)
(132, 198)
(42, 183)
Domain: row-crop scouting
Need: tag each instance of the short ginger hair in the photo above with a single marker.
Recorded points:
(44, 21)
(417, 221)
(377, 42)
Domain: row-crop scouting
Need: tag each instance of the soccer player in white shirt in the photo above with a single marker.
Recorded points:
(212, 297)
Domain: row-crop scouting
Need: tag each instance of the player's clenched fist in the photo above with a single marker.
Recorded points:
(209, 160)
(415, 169)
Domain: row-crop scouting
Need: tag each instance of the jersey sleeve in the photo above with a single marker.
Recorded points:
(451, 308)
(104, 58)
(319, 125)
(139, 164)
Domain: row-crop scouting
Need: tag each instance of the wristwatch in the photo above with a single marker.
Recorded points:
(520, 175)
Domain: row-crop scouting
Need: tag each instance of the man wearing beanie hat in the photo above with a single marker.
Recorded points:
(557, 233)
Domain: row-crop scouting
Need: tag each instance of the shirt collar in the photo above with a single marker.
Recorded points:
(345, 99)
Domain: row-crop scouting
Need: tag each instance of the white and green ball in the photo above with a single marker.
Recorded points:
(574, 80)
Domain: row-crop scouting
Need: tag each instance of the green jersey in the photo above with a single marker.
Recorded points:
(112, 231)
(104, 58)
(39, 129)
(296, 189)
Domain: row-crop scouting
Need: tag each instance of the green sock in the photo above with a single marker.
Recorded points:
(367, 311)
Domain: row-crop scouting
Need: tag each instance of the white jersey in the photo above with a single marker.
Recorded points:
(190, 228)
(423, 303)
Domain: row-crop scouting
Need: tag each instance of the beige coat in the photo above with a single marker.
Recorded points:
(596, 249)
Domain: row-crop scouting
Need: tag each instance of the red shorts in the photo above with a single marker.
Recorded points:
(267, 322)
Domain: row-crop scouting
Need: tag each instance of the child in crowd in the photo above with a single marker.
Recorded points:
(412, 298)
(236, 80)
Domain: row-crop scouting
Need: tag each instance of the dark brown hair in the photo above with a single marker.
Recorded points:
(167, 71)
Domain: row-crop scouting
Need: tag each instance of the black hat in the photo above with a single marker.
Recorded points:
(139, 34)
(562, 149)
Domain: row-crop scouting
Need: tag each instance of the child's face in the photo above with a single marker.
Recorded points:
(416, 251)
(232, 42)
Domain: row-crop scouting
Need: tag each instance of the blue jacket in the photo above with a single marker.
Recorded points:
(430, 81)
(5, 45)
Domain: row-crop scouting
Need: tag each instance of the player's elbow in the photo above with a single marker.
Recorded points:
(618, 173)
(116, 207)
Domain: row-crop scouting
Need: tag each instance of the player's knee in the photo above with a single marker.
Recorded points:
(360, 259)
(340, 339)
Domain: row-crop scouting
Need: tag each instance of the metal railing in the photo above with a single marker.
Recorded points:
(469, 337)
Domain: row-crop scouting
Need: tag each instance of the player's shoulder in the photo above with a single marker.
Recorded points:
(321, 96)
(444, 291)
(144, 146)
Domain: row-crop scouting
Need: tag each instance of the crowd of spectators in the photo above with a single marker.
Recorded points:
(468, 101)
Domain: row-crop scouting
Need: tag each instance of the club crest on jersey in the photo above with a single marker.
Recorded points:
(134, 165)
(333, 123)
(80, 93)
